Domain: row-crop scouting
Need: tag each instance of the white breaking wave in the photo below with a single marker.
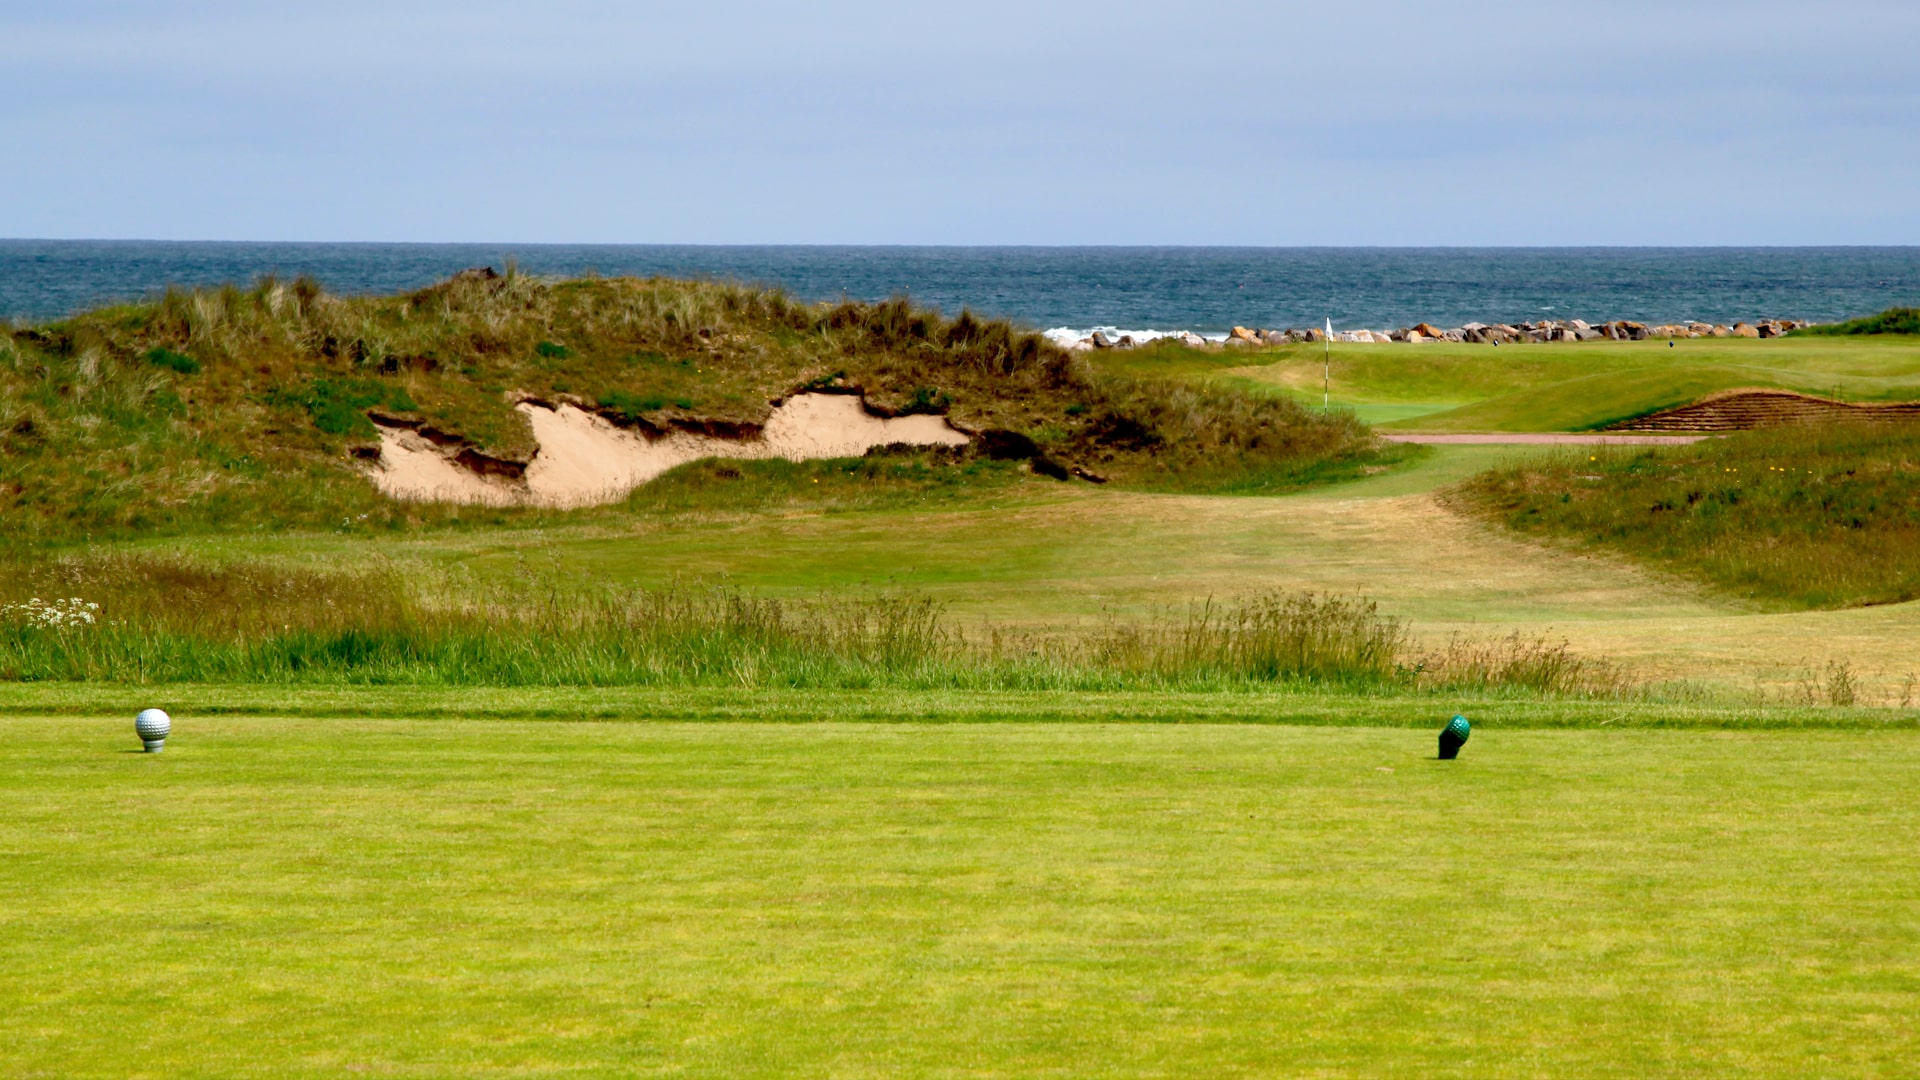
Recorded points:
(1066, 335)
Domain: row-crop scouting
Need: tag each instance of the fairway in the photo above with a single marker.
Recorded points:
(1044, 555)
(302, 897)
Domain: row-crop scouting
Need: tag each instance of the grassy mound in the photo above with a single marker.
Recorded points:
(223, 408)
(1808, 517)
(1900, 320)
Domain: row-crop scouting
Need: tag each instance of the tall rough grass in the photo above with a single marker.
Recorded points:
(174, 620)
(1896, 320)
(1811, 517)
(1267, 638)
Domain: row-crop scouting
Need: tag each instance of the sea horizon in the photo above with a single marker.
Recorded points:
(1078, 288)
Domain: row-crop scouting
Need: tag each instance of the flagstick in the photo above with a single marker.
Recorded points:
(1326, 371)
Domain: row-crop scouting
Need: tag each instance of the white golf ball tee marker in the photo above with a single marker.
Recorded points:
(153, 726)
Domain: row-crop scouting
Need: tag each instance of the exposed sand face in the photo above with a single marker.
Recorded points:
(583, 459)
(412, 468)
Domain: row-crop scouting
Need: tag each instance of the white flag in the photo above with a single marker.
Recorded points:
(1329, 329)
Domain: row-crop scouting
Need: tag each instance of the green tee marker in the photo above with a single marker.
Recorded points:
(1453, 737)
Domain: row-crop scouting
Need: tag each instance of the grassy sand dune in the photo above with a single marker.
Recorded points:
(206, 408)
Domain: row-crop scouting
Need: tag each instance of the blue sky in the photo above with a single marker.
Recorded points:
(1359, 122)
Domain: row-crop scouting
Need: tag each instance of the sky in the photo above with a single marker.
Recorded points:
(1357, 122)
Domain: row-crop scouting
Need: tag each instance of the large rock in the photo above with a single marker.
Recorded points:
(1313, 335)
(1429, 330)
(1746, 330)
(1192, 340)
(1101, 341)
(1273, 337)
(1242, 334)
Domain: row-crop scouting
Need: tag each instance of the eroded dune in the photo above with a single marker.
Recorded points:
(584, 459)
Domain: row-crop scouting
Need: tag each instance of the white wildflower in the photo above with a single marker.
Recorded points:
(65, 614)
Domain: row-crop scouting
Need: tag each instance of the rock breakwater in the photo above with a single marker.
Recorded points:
(1477, 333)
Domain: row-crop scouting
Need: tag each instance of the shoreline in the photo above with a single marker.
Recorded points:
(1475, 333)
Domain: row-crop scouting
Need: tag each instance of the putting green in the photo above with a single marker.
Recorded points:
(1570, 387)
(291, 898)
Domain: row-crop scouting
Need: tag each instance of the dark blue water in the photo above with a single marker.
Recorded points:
(1203, 289)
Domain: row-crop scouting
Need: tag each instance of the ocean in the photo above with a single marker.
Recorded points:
(1067, 290)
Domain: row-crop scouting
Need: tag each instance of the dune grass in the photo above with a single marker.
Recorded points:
(1897, 320)
(1803, 517)
(293, 898)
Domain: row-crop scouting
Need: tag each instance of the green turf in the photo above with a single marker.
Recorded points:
(1561, 387)
(1278, 705)
(288, 898)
